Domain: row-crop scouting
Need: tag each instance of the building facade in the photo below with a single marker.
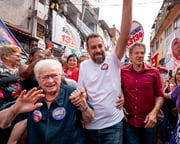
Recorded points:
(165, 31)
(27, 21)
(59, 25)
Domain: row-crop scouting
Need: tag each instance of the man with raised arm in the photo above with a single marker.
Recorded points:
(100, 77)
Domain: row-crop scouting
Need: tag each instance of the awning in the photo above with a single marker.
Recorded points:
(19, 31)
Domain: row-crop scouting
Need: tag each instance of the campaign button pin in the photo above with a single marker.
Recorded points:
(59, 113)
(37, 115)
(105, 66)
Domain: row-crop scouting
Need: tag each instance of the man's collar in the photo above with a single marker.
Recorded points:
(145, 67)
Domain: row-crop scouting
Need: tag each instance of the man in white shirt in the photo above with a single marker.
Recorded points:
(100, 76)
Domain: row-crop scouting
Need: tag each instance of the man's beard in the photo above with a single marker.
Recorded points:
(99, 60)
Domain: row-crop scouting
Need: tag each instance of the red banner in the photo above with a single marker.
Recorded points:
(154, 60)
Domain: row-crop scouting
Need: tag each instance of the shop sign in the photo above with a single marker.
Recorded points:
(41, 44)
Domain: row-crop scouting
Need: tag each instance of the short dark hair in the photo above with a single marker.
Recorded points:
(137, 44)
(93, 35)
(72, 55)
(34, 50)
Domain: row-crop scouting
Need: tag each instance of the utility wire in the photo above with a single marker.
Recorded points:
(99, 4)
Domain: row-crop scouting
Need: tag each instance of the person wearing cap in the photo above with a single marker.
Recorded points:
(143, 96)
(163, 71)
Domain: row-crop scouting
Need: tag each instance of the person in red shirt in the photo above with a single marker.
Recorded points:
(143, 95)
(72, 70)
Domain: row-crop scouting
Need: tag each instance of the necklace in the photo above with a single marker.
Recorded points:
(49, 100)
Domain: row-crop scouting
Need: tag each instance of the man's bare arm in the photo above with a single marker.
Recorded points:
(125, 28)
(151, 118)
(79, 98)
(26, 71)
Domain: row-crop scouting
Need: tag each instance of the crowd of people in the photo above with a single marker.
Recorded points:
(88, 100)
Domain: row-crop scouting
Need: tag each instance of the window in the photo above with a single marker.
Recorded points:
(168, 31)
(42, 1)
(157, 45)
(177, 23)
(40, 30)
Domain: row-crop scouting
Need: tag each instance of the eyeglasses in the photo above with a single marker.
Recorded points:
(46, 77)
(178, 73)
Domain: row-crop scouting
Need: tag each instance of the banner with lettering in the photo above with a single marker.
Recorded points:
(172, 50)
(65, 34)
(136, 35)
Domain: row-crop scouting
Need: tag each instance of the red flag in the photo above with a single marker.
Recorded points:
(154, 60)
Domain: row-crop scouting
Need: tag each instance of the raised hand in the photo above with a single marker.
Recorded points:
(26, 102)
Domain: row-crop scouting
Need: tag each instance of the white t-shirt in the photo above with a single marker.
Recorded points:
(102, 82)
(71, 82)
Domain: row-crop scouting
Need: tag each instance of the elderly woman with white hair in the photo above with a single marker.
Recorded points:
(58, 119)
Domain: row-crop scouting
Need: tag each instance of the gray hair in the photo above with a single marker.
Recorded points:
(137, 44)
(46, 63)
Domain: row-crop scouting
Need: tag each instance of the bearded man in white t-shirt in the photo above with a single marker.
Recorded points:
(100, 76)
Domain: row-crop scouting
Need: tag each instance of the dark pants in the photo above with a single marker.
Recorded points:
(110, 135)
(138, 135)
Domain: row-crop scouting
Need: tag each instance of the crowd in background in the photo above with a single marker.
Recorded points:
(15, 78)
(88, 100)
